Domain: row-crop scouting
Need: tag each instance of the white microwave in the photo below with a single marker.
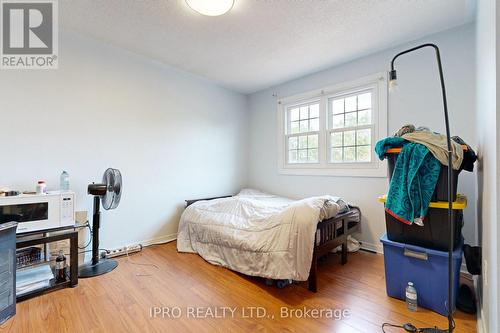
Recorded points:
(35, 212)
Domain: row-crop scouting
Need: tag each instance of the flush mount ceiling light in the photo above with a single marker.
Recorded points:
(211, 7)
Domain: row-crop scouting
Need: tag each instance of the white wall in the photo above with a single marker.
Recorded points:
(487, 193)
(418, 101)
(173, 135)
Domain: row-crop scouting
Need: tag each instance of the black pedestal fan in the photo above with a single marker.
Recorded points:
(109, 193)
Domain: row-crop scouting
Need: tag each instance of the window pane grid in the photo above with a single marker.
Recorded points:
(351, 128)
(304, 118)
(350, 111)
(303, 133)
(303, 148)
(351, 146)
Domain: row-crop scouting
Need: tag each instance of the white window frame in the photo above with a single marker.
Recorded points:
(319, 132)
(376, 168)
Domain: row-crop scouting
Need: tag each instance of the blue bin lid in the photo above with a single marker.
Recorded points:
(8, 225)
(457, 253)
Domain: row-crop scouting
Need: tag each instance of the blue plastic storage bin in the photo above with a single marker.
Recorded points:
(426, 268)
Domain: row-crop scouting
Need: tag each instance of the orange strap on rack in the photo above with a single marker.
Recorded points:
(398, 150)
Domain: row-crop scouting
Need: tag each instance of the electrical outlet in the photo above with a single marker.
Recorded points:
(81, 217)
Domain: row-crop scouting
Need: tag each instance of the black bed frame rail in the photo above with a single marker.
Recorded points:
(330, 237)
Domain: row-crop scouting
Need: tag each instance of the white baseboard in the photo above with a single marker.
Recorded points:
(378, 248)
(156, 240)
(481, 325)
(159, 240)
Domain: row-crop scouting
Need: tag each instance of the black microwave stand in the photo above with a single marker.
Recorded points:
(43, 237)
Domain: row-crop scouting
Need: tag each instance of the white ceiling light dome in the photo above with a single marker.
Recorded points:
(211, 7)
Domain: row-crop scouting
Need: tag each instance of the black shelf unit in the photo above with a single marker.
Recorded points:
(48, 236)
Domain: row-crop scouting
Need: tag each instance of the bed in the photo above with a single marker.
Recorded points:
(260, 234)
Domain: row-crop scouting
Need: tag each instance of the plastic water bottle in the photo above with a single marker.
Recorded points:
(411, 297)
(64, 184)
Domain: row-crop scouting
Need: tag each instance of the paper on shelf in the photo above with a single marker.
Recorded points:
(33, 275)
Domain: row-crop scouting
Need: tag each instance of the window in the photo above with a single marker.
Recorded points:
(333, 131)
(351, 127)
(303, 139)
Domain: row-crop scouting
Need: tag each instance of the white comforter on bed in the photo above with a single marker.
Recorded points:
(255, 233)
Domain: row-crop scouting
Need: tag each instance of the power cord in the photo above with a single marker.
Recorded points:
(87, 225)
(140, 263)
(408, 327)
(384, 325)
(105, 250)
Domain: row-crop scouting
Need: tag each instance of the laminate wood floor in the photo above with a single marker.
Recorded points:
(197, 293)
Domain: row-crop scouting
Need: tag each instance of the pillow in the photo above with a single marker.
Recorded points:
(250, 192)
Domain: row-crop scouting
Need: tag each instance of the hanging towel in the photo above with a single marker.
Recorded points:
(438, 146)
(413, 181)
(390, 142)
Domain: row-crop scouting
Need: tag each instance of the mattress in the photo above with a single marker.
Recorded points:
(256, 233)
(332, 205)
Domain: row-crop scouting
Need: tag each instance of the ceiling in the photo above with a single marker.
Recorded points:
(261, 43)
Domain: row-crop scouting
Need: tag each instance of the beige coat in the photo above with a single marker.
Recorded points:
(436, 143)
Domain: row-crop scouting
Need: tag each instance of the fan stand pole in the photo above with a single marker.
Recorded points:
(97, 266)
(96, 221)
